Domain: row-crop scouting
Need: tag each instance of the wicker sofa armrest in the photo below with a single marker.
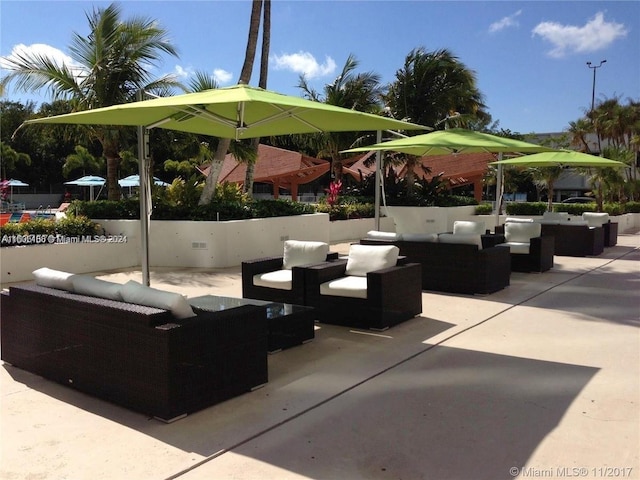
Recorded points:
(395, 286)
(315, 275)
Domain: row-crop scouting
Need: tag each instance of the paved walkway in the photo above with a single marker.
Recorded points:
(541, 379)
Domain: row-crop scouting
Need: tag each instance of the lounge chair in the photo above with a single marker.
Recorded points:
(281, 279)
(367, 290)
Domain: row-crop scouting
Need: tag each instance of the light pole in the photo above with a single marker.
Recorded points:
(593, 89)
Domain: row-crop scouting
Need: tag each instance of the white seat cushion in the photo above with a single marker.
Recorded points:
(521, 232)
(595, 219)
(464, 238)
(420, 237)
(468, 227)
(47, 277)
(297, 253)
(136, 293)
(520, 248)
(383, 235)
(369, 258)
(282, 279)
(349, 286)
(94, 287)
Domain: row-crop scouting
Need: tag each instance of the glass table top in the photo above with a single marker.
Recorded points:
(215, 303)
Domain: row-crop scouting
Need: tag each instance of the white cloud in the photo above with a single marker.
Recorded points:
(596, 34)
(506, 22)
(38, 50)
(182, 72)
(222, 76)
(304, 63)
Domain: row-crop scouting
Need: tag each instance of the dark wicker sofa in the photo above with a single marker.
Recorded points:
(140, 357)
(453, 267)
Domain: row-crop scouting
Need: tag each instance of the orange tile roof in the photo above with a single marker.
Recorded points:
(284, 168)
(458, 168)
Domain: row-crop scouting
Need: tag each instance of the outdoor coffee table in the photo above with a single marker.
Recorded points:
(288, 325)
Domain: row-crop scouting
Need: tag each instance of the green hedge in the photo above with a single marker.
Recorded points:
(526, 208)
(484, 209)
(68, 227)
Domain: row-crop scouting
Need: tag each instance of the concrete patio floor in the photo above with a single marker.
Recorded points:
(541, 379)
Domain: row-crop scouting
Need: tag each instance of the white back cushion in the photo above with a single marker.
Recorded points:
(369, 258)
(468, 227)
(136, 293)
(518, 220)
(555, 216)
(383, 235)
(465, 238)
(420, 237)
(87, 285)
(595, 219)
(47, 277)
(297, 253)
(521, 232)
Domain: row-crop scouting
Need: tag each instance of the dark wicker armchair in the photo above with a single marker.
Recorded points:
(528, 253)
(595, 219)
(285, 278)
(575, 240)
(393, 295)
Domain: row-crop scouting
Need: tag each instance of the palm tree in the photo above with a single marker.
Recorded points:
(10, 158)
(436, 89)
(112, 64)
(245, 77)
(356, 91)
(547, 177)
(262, 83)
(81, 159)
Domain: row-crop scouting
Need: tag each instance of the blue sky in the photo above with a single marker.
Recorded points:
(529, 57)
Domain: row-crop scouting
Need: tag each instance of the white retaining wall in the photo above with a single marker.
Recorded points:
(227, 244)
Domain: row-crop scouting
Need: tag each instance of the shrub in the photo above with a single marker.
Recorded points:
(484, 209)
(613, 208)
(454, 201)
(279, 208)
(72, 226)
(526, 208)
(128, 208)
(575, 208)
(632, 207)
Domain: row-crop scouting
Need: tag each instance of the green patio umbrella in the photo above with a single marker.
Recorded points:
(454, 140)
(457, 140)
(560, 158)
(235, 112)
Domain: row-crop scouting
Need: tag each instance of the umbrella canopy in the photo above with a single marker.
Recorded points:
(10, 184)
(87, 181)
(90, 181)
(454, 140)
(134, 181)
(14, 183)
(560, 158)
(234, 112)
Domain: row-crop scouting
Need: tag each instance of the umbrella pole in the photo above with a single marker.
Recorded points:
(499, 182)
(378, 179)
(145, 205)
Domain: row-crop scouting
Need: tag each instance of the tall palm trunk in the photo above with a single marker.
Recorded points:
(245, 75)
(264, 70)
